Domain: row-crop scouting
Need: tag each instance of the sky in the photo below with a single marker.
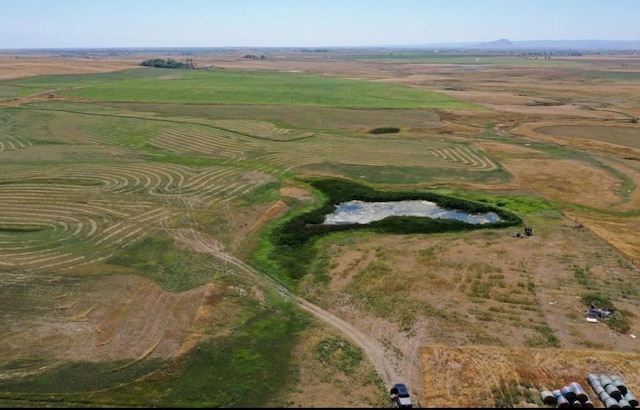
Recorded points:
(28, 24)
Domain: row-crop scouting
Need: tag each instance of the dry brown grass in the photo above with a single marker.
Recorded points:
(459, 376)
(23, 66)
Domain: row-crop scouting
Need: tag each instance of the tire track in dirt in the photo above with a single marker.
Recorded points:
(385, 364)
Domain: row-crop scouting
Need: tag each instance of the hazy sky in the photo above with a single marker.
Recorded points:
(308, 23)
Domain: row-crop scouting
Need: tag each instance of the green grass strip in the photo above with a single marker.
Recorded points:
(231, 87)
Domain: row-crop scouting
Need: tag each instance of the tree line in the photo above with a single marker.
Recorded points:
(168, 63)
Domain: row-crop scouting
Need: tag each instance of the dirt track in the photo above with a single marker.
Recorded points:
(384, 363)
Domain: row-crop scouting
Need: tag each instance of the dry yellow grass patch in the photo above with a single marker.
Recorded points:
(556, 179)
(475, 376)
(566, 180)
(20, 66)
(622, 233)
(589, 143)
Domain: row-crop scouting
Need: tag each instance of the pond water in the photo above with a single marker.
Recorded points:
(359, 212)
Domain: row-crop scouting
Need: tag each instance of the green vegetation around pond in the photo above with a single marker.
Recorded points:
(291, 241)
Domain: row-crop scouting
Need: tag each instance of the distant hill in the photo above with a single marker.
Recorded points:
(502, 43)
(581, 44)
(505, 44)
(561, 44)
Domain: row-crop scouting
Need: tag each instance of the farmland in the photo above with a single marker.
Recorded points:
(140, 212)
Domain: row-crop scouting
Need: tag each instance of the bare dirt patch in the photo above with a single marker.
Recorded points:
(298, 193)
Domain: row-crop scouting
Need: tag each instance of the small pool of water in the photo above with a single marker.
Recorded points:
(359, 212)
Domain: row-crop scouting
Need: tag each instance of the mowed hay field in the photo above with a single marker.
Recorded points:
(136, 203)
(514, 373)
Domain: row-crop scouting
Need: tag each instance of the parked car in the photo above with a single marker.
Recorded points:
(400, 396)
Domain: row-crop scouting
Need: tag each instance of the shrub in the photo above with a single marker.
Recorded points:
(385, 130)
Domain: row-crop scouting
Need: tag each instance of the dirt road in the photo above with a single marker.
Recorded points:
(388, 366)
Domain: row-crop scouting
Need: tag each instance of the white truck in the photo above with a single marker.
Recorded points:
(400, 396)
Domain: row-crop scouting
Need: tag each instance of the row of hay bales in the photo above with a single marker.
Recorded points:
(571, 395)
(610, 389)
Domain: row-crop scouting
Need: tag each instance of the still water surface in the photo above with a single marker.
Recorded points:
(359, 212)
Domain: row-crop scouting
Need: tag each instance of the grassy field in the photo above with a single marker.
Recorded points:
(142, 213)
(90, 190)
(223, 87)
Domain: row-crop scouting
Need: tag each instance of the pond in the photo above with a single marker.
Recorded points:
(360, 212)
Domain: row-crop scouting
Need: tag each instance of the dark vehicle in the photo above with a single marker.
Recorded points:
(400, 396)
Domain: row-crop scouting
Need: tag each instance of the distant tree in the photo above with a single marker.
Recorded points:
(169, 63)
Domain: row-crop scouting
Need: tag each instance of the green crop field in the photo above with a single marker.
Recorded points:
(223, 87)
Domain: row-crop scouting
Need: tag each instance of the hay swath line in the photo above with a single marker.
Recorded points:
(11, 143)
(191, 139)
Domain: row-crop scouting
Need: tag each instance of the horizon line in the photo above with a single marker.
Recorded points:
(406, 45)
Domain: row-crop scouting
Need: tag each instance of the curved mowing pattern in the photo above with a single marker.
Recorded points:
(379, 152)
(62, 234)
(469, 157)
(325, 148)
(261, 129)
(61, 127)
(205, 140)
(61, 217)
(10, 143)
(271, 148)
(88, 213)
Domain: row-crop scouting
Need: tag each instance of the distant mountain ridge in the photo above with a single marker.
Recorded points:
(502, 43)
(506, 44)
(563, 44)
